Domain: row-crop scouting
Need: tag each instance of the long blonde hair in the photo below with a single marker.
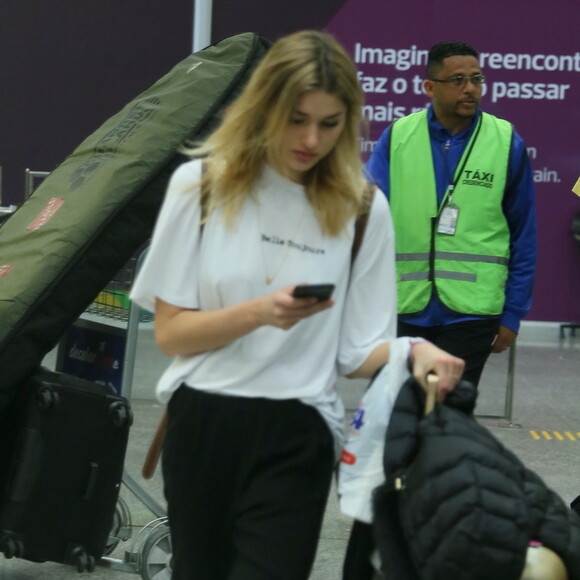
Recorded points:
(235, 153)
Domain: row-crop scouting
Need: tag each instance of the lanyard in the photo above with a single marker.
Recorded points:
(448, 197)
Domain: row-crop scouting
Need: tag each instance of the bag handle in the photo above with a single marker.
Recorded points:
(432, 382)
(360, 224)
(154, 453)
(156, 447)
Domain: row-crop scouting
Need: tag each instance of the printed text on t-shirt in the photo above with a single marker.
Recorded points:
(291, 244)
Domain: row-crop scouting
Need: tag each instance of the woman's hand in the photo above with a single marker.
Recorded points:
(280, 309)
(427, 358)
(179, 331)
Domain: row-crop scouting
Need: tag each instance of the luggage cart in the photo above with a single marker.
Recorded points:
(509, 393)
(5, 212)
(150, 550)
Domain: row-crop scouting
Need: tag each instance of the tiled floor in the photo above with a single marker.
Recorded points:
(541, 425)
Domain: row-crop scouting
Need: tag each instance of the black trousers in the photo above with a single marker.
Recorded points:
(470, 340)
(246, 481)
(357, 561)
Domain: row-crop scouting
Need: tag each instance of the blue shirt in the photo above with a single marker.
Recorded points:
(518, 207)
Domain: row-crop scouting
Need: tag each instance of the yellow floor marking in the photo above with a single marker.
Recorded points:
(554, 434)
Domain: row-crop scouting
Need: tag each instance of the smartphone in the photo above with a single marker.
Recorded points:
(319, 291)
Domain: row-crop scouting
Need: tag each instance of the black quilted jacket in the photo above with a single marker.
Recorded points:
(458, 505)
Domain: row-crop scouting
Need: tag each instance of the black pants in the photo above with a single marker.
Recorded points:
(469, 340)
(357, 561)
(246, 482)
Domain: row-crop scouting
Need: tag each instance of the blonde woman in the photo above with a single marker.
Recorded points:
(255, 421)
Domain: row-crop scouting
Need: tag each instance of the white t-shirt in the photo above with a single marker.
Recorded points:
(276, 235)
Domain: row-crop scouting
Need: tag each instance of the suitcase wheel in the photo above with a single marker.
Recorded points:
(83, 561)
(46, 398)
(121, 414)
(11, 547)
(121, 529)
(157, 554)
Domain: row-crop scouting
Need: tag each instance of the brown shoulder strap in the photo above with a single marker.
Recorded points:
(203, 194)
(361, 223)
(154, 452)
(156, 447)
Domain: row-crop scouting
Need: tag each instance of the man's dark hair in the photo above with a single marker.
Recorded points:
(443, 50)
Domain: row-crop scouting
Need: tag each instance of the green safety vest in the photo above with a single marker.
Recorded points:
(467, 270)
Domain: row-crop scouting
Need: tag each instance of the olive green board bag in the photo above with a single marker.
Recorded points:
(94, 211)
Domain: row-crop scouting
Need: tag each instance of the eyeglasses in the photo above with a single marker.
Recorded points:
(476, 80)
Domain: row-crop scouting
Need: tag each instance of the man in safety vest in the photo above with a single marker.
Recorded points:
(462, 197)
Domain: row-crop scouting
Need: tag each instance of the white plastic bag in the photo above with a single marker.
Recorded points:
(361, 464)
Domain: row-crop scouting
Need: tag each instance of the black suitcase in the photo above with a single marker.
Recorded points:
(63, 450)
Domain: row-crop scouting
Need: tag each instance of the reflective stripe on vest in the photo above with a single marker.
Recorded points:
(468, 270)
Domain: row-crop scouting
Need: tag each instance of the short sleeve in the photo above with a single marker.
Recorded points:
(370, 314)
(169, 270)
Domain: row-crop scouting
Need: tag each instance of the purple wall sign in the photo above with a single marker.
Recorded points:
(64, 72)
(530, 55)
(67, 73)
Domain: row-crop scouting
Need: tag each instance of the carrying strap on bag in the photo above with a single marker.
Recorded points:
(432, 382)
(154, 452)
(360, 225)
(156, 447)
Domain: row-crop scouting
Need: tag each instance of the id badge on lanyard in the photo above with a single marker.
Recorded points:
(448, 220)
(449, 216)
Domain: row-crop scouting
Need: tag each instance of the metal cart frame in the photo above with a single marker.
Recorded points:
(150, 551)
